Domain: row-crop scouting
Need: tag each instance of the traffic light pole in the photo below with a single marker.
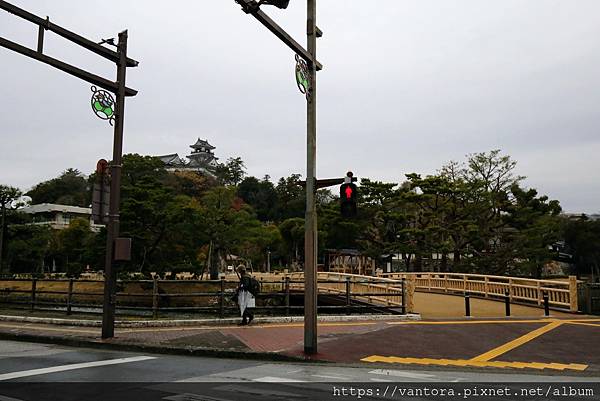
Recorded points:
(309, 55)
(310, 229)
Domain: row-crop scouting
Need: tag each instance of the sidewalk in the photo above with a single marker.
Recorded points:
(554, 344)
(265, 338)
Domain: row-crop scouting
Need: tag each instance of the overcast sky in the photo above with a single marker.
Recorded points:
(407, 86)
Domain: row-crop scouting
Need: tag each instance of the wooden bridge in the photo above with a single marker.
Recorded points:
(387, 289)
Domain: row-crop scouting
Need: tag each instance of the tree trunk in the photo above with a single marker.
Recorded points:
(456, 257)
(2, 236)
(418, 263)
(444, 263)
(407, 261)
(214, 265)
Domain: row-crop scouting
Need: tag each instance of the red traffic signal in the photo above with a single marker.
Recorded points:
(348, 192)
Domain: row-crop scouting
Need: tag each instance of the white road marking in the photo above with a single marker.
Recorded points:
(332, 377)
(63, 368)
(273, 379)
(400, 373)
(5, 398)
(193, 397)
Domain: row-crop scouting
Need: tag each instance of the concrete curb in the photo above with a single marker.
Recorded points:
(203, 322)
(154, 349)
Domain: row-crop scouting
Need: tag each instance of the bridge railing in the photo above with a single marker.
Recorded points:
(377, 291)
(562, 294)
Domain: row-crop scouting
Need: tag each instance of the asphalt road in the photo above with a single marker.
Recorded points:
(48, 372)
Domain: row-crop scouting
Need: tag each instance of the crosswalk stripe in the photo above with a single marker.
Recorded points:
(63, 368)
(273, 379)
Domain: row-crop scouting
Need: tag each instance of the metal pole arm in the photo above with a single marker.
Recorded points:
(251, 7)
(73, 37)
(68, 68)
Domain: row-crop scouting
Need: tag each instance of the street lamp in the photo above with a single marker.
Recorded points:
(306, 76)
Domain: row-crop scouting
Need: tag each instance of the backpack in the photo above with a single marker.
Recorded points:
(254, 287)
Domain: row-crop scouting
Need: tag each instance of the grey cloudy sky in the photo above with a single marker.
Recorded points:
(407, 86)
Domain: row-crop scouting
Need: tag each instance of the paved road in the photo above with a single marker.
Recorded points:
(30, 371)
(29, 362)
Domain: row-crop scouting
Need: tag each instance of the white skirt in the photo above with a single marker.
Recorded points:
(246, 300)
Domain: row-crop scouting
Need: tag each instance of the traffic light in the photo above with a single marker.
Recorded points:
(348, 193)
(283, 4)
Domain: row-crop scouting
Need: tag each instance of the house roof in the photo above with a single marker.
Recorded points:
(51, 207)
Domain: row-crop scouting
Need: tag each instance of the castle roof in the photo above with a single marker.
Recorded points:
(201, 143)
(171, 159)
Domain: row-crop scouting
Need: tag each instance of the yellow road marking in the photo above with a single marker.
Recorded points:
(516, 342)
(471, 362)
(472, 322)
(450, 322)
(584, 324)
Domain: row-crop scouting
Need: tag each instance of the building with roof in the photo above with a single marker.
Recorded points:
(59, 216)
(201, 160)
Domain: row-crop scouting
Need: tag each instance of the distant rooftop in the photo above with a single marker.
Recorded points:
(51, 207)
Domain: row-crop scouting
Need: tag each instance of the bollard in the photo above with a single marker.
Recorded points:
(222, 298)
(546, 304)
(155, 297)
(287, 295)
(33, 288)
(347, 295)
(70, 296)
(467, 305)
(507, 302)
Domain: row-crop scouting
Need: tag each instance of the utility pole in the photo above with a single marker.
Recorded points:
(310, 228)
(308, 56)
(104, 103)
(112, 229)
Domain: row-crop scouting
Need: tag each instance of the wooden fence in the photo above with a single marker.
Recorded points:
(359, 294)
(562, 294)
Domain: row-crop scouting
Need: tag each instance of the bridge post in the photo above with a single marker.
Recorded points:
(573, 293)
(404, 296)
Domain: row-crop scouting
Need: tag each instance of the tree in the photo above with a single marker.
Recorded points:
(292, 233)
(291, 198)
(148, 211)
(523, 246)
(232, 172)
(230, 226)
(27, 247)
(261, 195)
(582, 239)
(75, 246)
(7, 196)
(70, 188)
